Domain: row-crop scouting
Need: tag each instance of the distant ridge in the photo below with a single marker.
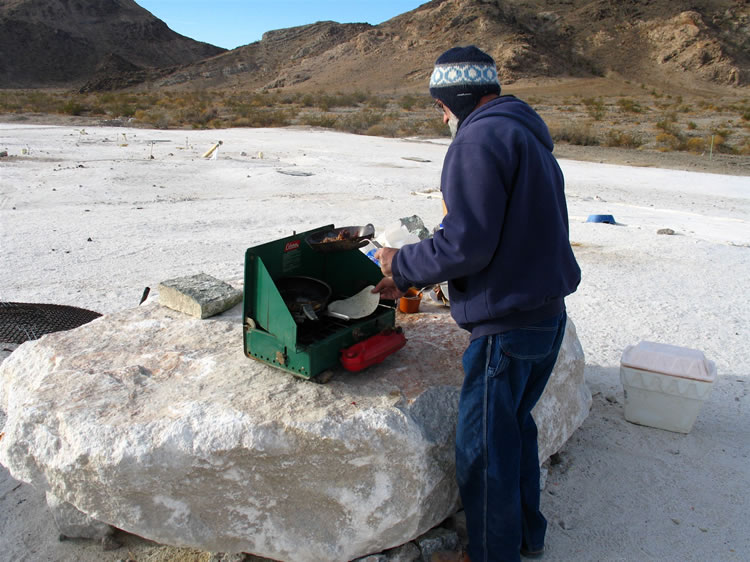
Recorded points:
(113, 44)
(64, 42)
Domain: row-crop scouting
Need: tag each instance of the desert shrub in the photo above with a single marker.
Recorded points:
(718, 143)
(695, 144)
(667, 141)
(359, 122)
(319, 120)
(289, 98)
(308, 100)
(574, 133)
(595, 108)
(668, 124)
(433, 127)
(382, 130)
(407, 102)
(630, 106)
(157, 118)
(377, 102)
(746, 115)
(268, 118)
(41, 102)
(744, 148)
(123, 109)
(73, 107)
(720, 132)
(616, 137)
(692, 125)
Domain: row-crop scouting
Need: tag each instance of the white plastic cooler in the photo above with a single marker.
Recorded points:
(665, 385)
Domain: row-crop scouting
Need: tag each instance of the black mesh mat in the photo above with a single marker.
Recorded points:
(21, 321)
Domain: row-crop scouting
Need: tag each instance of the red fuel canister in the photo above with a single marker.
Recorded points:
(372, 350)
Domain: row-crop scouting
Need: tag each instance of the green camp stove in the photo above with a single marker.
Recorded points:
(304, 346)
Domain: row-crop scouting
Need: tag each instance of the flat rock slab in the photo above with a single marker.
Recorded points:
(198, 295)
(156, 423)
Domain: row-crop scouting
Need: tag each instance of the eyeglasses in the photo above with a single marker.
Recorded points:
(439, 106)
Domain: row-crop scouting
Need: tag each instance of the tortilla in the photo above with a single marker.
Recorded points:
(360, 305)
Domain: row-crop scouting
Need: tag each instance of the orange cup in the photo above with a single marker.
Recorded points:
(409, 303)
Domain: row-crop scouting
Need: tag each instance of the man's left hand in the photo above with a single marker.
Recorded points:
(388, 289)
(385, 257)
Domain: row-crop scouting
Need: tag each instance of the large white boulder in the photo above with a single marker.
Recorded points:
(156, 423)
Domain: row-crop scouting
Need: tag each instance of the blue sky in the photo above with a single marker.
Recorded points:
(232, 23)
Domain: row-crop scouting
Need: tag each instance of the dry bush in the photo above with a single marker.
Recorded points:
(629, 106)
(359, 122)
(616, 137)
(595, 108)
(695, 144)
(667, 141)
(574, 133)
(381, 130)
(319, 120)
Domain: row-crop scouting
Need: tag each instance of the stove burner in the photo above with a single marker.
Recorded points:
(313, 331)
(20, 321)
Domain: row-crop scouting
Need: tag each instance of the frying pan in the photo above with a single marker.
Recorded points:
(340, 239)
(305, 297)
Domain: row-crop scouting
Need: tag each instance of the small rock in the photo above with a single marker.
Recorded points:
(667, 231)
(675, 521)
(4, 154)
(612, 399)
(457, 523)
(109, 544)
(436, 540)
(408, 552)
(447, 556)
(225, 557)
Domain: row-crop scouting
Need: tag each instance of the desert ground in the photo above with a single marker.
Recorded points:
(91, 215)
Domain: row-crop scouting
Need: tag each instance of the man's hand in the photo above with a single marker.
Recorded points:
(385, 257)
(387, 288)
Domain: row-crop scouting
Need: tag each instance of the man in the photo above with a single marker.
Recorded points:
(505, 251)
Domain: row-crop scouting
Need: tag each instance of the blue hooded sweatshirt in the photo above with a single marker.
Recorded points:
(504, 247)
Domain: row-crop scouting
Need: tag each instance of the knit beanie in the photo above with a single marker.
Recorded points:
(462, 75)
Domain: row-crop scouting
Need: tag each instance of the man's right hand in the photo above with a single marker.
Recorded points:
(385, 257)
(387, 289)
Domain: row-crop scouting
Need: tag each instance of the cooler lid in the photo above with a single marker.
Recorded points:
(670, 360)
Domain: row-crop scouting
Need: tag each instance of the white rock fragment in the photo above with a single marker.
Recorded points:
(198, 295)
(73, 524)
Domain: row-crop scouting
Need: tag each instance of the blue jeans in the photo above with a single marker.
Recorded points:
(497, 458)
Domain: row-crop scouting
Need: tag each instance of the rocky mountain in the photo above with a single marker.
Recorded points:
(683, 43)
(66, 42)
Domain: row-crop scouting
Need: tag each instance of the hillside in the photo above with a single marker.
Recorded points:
(653, 41)
(116, 44)
(65, 42)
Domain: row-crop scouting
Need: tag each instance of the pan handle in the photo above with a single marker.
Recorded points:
(309, 311)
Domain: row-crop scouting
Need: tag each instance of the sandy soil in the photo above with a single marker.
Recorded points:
(90, 216)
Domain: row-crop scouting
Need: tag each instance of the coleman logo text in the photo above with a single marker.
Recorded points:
(292, 245)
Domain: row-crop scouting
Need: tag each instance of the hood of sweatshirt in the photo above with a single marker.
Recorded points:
(513, 108)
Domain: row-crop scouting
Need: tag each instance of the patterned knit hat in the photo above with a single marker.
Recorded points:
(461, 77)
